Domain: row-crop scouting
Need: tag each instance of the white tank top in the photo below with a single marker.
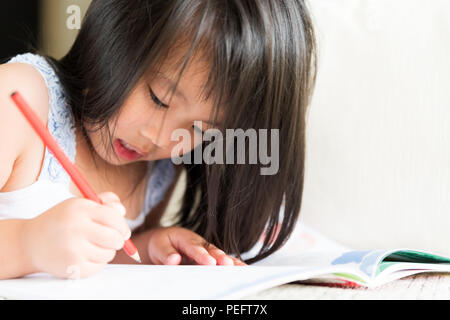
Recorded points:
(52, 185)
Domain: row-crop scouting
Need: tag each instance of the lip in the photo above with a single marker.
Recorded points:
(138, 150)
(125, 153)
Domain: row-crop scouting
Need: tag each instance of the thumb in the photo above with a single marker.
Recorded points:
(108, 197)
(112, 200)
(164, 253)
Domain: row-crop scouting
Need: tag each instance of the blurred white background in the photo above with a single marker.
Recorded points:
(378, 137)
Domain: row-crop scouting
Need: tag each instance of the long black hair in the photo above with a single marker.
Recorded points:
(262, 55)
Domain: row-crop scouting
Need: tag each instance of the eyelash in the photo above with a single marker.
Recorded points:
(156, 100)
(163, 105)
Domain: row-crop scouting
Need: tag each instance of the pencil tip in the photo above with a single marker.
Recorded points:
(13, 94)
(136, 257)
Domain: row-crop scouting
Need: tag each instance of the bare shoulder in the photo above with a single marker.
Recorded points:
(15, 131)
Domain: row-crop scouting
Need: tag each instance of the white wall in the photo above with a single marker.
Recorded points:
(378, 137)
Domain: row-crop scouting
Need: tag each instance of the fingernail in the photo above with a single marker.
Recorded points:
(128, 235)
(227, 261)
(211, 261)
(172, 259)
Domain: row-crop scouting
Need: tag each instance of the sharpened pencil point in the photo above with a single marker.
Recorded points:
(136, 257)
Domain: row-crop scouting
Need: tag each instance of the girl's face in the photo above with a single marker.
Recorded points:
(148, 117)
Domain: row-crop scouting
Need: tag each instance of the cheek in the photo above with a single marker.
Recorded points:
(128, 123)
(128, 119)
(184, 144)
(136, 110)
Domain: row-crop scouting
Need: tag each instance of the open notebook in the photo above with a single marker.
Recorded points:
(307, 256)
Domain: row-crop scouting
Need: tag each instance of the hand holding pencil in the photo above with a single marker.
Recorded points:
(75, 238)
(74, 173)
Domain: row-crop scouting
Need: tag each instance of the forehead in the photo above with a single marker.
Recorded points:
(194, 74)
(190, 89)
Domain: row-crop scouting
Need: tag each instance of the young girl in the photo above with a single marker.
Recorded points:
(137, 71)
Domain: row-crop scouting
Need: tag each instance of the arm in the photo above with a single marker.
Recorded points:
(15, 133)
(14, 263)
(14, 139)
(76, 232)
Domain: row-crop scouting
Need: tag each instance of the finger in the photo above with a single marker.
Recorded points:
(238, 262)
(117, 206)
(105, 237)
(111, 218)
(220, 256)
(199, 255)
(96, 254)
(108, 197)
(173, 259)
(82, 270)
(195, 250)
(164, 253)
(112, 200)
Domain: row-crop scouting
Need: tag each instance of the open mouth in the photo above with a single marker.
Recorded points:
(125, 150)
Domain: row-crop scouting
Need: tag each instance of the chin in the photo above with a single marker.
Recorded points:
(112, 159)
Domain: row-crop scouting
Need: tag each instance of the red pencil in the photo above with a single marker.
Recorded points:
(74, 173)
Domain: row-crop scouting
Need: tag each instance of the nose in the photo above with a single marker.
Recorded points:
(160, 137)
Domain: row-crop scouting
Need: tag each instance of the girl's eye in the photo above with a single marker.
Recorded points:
(155, 99)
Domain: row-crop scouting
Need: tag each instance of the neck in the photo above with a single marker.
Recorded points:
(89, 160)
